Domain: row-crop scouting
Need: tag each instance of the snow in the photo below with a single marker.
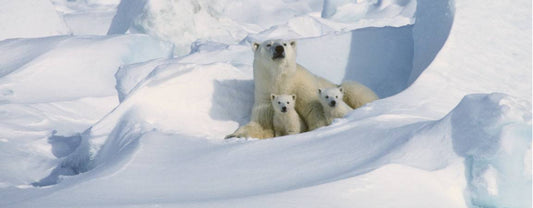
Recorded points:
(358, 10)
(70, 64)
(229, 22)
(56, 86)
(137, 117)
(16, 23)
(180, 22)
(87, 17)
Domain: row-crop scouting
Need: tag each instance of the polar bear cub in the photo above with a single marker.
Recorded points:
(332, 103)
(286, 120)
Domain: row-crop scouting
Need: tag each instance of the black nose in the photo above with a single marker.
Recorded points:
(332, 103)
(279, 49)
(283, 109)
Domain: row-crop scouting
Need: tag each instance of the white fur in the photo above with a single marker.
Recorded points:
(285, 76)
(286, 121)
(333, 104)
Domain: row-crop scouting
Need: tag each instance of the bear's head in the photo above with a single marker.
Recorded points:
(331, 96)
(283, 103)
(275, 52)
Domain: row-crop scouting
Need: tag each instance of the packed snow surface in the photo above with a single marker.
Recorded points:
(229, 21)
(87, 17)
(30, 18)
(132, 108)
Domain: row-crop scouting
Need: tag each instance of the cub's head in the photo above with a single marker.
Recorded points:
(283, 103)
(275, 51)
(331, 96)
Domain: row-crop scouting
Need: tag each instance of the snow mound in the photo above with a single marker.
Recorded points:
(229, 22)
(353, 11)
(93, 23)
(51, 89)
(180, 22)
(170, 110)
(58, 61)
(362, 58)
(87, 17)
(200, 93)
(493, 133)
(80, 6)
(15, 21)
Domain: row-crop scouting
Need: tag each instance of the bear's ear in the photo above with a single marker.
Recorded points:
(293, 43)
(272, 96)
(319, 90)
(293, 97)
(255, 46)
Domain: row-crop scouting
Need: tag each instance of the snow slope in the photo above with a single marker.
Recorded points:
(56, 86)
(453, 128)
(87, 17)
(44, 20)
(183, 22)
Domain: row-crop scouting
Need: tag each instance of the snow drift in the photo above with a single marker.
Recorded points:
(57, 87)
(86, 17)
(230, 22)
(439, 136)
(17, 23)
(58, 61)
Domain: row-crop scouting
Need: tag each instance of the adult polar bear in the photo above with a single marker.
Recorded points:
(276, 72)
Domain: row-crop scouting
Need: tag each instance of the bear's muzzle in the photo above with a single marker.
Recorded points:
(279, 52)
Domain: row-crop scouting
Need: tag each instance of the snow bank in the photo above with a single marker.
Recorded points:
(357, 10)
(200, 98)
(493, 133)
(230, 22)
(87, 17)
(57, 87)
(81, 6)
(180, 22)
(94, 23)
(69, 69)
(30, 135)
(150, 127)
(363, 58)
(433, 23)
(128, 76)
(30, 18)
(204, 53)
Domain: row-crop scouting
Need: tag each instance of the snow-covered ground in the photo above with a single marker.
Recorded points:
(126, 104)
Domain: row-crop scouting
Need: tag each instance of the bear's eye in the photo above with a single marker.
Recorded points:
(268, 45)
(279, 102)
(327, 97)
(287, 102)
(284, 44)
(336, 96)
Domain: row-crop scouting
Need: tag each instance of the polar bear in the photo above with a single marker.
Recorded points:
(286, 120)
(275, 71)
(332, 103)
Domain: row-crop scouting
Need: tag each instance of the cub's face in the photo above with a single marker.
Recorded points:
(275, 50)
(331, 96)
(283, 103)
